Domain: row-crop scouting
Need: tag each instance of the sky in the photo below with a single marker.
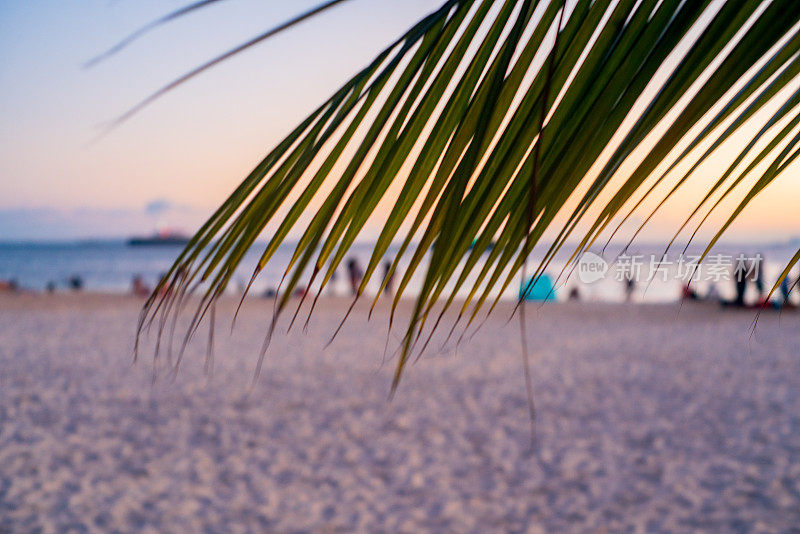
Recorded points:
(174, 162)
(186, 151)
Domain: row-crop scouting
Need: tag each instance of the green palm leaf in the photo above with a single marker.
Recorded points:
(495, 120)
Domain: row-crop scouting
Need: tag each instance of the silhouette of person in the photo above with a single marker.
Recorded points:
(139, 288)
(787, 288)
(630, 287)
(741, 287)
(356, 274)
(574, 294)
(758, 277)
(740, 278)
(388, 278)
(75, 282)
(688, 293)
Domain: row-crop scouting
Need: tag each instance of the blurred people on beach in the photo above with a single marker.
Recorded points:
(757, 277)
(630, 287)
(689, 293)
(139, 288)
(788, 286)
(75, 282)
(356, 274)
(388, 278)
(747, 271)
(740, 285)
(574, 294)
(270, 293)
(741, 277)
(9, 286)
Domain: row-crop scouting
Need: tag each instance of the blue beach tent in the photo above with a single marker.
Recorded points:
(541, 290)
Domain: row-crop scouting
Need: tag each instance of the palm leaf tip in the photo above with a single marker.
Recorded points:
(495, 121)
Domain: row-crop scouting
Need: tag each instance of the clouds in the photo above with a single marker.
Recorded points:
(55, 224)
(158, 207)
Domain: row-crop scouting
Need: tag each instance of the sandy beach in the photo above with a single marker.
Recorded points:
(648, 420)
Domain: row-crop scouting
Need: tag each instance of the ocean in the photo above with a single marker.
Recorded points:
(110, 266)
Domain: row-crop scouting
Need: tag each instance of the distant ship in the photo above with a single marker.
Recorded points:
(165, 237)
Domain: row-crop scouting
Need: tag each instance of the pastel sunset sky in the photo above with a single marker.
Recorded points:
(174, 162)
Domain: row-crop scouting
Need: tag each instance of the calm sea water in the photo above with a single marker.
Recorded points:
(111, 266)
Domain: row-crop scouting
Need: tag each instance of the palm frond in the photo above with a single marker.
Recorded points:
(495, 119)
(258, 39)
(169, 17)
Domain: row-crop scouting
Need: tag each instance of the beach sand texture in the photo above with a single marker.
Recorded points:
(648, 420)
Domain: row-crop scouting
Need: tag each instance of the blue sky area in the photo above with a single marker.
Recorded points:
(186, 151)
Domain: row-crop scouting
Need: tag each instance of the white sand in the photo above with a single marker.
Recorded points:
(648, 421)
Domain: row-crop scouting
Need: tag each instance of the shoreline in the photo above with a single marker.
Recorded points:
(228, 303)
